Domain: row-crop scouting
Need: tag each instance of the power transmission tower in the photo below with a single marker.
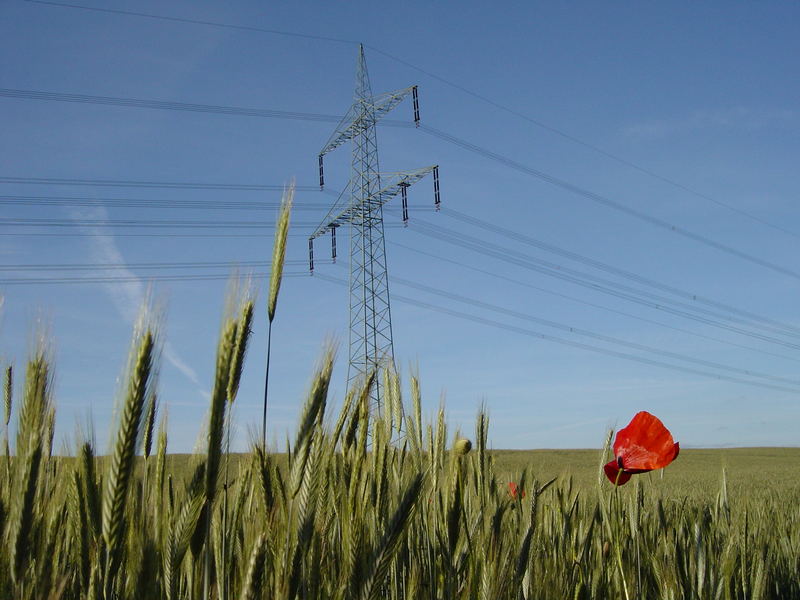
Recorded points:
(369, 189)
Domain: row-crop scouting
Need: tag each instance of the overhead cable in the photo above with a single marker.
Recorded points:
(526, 284)
(449, 83)
(595, 283)
(594, 263)
(571, 343)
(438, 133)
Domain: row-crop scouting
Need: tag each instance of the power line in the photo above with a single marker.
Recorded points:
(550, 268)
(447, 82)
(241, 264)
(438, 133)
(131, 13)
(181, 185)
(116, 234)
(585, 332)
(251, 224)
(88, 201)
(587, 145)
(143, 224)
(177, 224)
(263, 263)
(166, 105)
(571, 343)
(595, 283)
(132, 279)
(149, 265)
(526, 284)
(592, 282)
(526, 239)
(154, 224)
(605, 201)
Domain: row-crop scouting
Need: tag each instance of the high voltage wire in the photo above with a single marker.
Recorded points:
(608, 287)
(151, 265)
(171, 234)
(605, 201)
(449, 83)
(547, 267)
(131, 13)
(446, 237)
(588, 145)
(573, 275)
(131, 279)
(585, 332)
(405, 282)
(153, 224)
(519, 282)
(214, 109)
(250, 224)
(471, 220)
(242, 264)
(87, 201)
(117, 234)
(181, 185)
(634, 295)
(146, 223)
(219, 264)
(437, 133)
(526, 239)
(571, 343)
(457, 297)
(167, 105)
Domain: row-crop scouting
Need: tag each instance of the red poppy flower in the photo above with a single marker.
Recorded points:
(644, 445)
(515, 491)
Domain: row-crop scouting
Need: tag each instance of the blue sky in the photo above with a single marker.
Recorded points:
(684, 114)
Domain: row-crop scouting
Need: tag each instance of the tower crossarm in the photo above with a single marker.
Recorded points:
(385, 102)
(330, 218)
(349, 127)
(396, 182)
(363, 114)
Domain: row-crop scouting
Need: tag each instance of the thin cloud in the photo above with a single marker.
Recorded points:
(737, 117)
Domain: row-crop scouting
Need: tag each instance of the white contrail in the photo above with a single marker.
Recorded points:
(127, 295)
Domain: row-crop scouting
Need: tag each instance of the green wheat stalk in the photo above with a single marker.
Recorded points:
(276, 275)
(31, 431)
(255, 570)
(121, 470)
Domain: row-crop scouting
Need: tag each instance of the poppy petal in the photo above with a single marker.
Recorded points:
(616, 475)
(645, 444)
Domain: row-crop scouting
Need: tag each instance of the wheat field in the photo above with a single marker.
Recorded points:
(371, 504)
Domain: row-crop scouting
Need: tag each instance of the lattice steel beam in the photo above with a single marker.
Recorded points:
(371, 345)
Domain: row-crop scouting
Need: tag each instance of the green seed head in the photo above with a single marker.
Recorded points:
(462, 446)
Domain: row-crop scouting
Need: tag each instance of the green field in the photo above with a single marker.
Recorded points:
(362, 510)
(697, 473)
(372, 504)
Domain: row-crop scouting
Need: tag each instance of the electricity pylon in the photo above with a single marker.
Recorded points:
(369, 189)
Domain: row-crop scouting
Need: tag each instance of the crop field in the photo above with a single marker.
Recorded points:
(375, 505)
(697, 476)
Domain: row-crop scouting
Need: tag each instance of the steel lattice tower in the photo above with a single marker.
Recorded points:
(369, 189)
